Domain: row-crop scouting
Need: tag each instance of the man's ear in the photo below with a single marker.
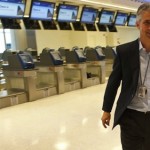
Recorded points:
(138, 24)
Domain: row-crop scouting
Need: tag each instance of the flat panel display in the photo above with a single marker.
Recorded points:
(67, 13)
(25, 58)
(121, 19)
(132, 20)
(99, 51)
(41, 10)
(88, 15)
(12, 8)
(80, 53)
(106, 17)
(56, 55)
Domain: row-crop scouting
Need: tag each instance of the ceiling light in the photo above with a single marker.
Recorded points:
(110, 5)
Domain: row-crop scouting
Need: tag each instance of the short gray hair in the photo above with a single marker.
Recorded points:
(144, 7)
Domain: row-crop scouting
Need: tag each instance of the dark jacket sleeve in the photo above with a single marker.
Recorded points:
(113, 84)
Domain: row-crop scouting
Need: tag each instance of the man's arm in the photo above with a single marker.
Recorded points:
(111, 91)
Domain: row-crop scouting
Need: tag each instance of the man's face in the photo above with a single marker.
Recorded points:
(144, 26)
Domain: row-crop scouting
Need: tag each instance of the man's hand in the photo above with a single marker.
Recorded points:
(106, 119)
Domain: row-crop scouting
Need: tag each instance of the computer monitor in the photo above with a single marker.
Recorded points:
(88, 15)
(106, 17)
(131, 20)
(42, 10)
(56, 55)
(26, 60)
(12, 8)
(67, 13)
(121, 18)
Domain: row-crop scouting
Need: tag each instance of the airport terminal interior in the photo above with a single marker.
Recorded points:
(56, 57)
(69, 121)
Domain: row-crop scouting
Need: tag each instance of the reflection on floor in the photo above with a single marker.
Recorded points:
(70, 121)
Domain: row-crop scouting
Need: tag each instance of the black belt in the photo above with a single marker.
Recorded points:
(136, 111)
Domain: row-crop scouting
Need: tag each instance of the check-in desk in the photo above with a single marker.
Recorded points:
(110, 56)
(75, 70)
(95, 66)
(50, 74)
(20, 76)
(96, 70)
(2, 79)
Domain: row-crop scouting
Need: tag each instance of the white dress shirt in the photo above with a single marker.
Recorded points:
(142, 104)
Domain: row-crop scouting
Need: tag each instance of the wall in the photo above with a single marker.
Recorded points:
(96, 38)
(68, 39)
(19, 39)
(39, 39)
(124, 34)
(52, 39)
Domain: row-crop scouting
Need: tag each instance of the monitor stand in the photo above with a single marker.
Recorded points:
(90, 27)
(31, 24)
(64, 25)
(49, 25)
(78, 26)
(101, 27)
(10, 23)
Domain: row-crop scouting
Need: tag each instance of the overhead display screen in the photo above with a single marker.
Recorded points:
(132, 20)
(88, 15)
(67, 13)
(121, 19)
(106, 17)
(12, 8)
(41, 10)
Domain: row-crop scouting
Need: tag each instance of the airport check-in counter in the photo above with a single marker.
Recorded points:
(20, 74)
(95, 66)
(2, 79)
(75, 70)
(62, 52)
(110, 55)
(50, 74)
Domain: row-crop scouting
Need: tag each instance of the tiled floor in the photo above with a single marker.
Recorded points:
(70, 121)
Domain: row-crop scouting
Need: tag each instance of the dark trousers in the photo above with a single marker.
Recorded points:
(135, 130)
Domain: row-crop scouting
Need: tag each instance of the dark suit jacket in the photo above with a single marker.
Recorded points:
(125, 72)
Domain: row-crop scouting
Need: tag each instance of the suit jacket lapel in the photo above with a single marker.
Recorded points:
(134, 61)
